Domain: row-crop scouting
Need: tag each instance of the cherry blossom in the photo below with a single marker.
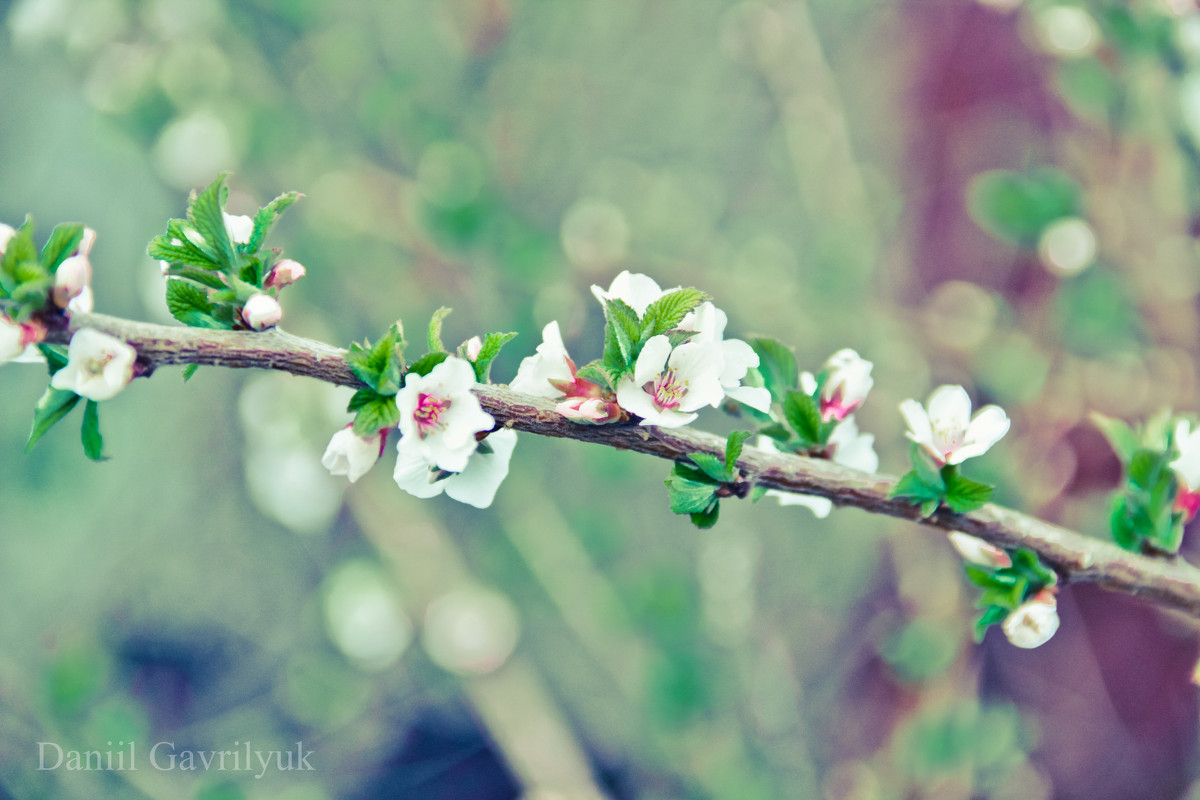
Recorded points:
(351, 455)
(636, 290)
(98, 365)
(737, 357)
(475, 485)
(549, 363)
(948, 431)
(262, 311)
(1034, 621)
(669, 385)
(1187, 468)
(848, 447)
(440, 416)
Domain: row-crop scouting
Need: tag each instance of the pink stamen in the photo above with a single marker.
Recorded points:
(429, 412)
(1188, 502)
(667, 390)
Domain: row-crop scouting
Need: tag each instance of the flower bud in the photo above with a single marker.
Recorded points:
(976, 551)
(7, 232)
(11, 345)
(285, 273)
(594, 410)
(350, 454)
(847, 382)
(473, 347)
(71, 278)
(85, 244)
(239, 226)
(98, 365)
(261, 312)
(1034, 621)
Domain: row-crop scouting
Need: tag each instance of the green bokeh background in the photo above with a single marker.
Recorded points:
(825, 169)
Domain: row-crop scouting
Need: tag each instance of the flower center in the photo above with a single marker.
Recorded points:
(667, 390)
(947, 438)
(94, 366)
(429, 413)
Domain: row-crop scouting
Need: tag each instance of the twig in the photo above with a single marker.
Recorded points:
(1169, 582)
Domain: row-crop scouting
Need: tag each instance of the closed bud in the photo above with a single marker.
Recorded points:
(261, 312)
(285, 273)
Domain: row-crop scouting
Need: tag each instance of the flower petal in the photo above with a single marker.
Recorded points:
(987, 428)
(477, 484)
(950, 408)
(652, 360)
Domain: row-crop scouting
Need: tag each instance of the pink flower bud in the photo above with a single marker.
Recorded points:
(977, 551)
(261, 312)
(71, 278)
(593, 410)
(472, 347)
(285, 273)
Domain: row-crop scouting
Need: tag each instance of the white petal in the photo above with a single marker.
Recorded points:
(412, 473)
(739, 357)
(820, 506)
(477, 484)
(1031, 624)
(635, 289)
(853, 449)
(756, 397)
(1187, 465)
(549, 363)
(987, 428)
(652, 360)
(919, 429)
(10, 340)
(808, 383)
(950, 408)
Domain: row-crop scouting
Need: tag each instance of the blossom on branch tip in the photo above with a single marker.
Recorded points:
(1034, 622)
(948, 431)
(261, 312)
(668, 384)
(737, 357)
(351, 455)
(475, 484)
(846, 446)
(285, 273)
(98, 365)
(1187, 469)
(440, 415)
(239, 226)
(976, 551)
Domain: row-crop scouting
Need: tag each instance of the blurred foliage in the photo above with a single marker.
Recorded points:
(893, 177)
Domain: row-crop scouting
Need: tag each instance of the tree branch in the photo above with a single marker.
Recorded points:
(1169, 582)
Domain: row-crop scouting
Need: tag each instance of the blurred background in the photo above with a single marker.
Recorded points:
(1002, 194)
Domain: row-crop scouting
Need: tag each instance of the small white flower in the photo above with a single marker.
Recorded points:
(1187, 464)
(948, 431)
(636, 290)
(738, 357)
(239, 226)
(262, 311)
(12, 340)
(472, 348)
(439, 415)
(475, 485)
(285, 273)
(84, 302)
(669, 385)
(350, 454)
(850, 448)
(976, 551)
(98, 365)
(7, 232)
(72, 277)
(549, 363)
(1033, 622)
(847, 382)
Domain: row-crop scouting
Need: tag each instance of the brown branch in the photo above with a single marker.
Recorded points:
(1169, 582)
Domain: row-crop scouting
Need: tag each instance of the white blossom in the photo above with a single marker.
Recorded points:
(669, 384)
(737, 357)
(440, 416)
(549, 363)
(98, 365)
(1187, 464)
(262, 311)
(12, 340)
(636, 290)
(847, 382)
(849, 447)
(948, 431)
(475, 485)
(1033, 622)
(350, 454)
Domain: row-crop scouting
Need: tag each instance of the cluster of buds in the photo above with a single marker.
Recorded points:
(73, 278)
(1031, 623)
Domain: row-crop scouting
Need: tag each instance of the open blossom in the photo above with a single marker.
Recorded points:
(737, 357)
(98, 365)
(239, 226)
(636, 290)
(668, 384)
(848, 447)
(262, 311)
(948, 431)
(285, 273)
(440, 416)
(351, 455)
(1033, 622)
(549, 363)
(976, 551)
(1187, 468)
(475, 485)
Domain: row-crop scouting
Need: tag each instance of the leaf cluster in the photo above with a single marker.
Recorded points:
(27, 275)
(1144, 517)
(55, 404)
(696, 488)
(626, 333)
(929, 485)
(1004, 589)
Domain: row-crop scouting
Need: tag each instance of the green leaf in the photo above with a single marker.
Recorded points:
(963, 494)
(667, 311)
(1017, 207)
(205, 213)
(266, 217)
(361, 398)
(375, 415)
(187, 302)
(176, 247)
(1119, 435)
(712, 466)
(19, 251)
(597, 374)
(930, 506)
(911, 487)
(425, 364)
(621, 334)
(928, 470)
(379, 365)
(733, 448)
(993, 615)
(64, 240)
(777, 365)
(802, 414)
(53, 406)
(688, 496)
(189, 371)
(93, 442)
(487, 354)
(707, 518)
(757, 492)
(435, 329)
(55, 355)
(1144, 468)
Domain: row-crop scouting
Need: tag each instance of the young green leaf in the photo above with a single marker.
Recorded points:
(64, 240)
(689, 496)
(596, 373)
(266, 217)
(777, 365)
(205, 214)
(707, 518)
(189, 371)
(375, 415)
(733, 448)
(188, 303)
(93, 442)
(621, 334)
(53, 406)
(425, 364)
(802, 414)
(435, 330)
(487, 354)
(19, 251)
(667, 311)
(992, 615)
(1120, 436)
(712, 466)
(963, 494)
(929, 471)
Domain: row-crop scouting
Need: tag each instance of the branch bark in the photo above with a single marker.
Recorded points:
(1168, 582)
